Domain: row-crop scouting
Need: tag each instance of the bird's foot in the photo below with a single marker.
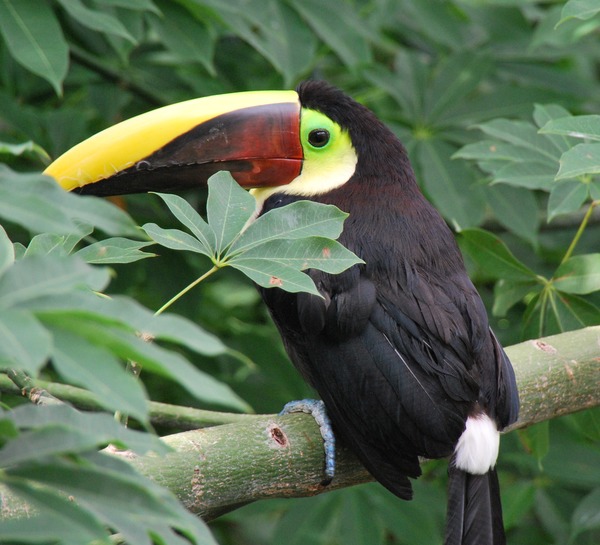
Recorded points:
(316, 408)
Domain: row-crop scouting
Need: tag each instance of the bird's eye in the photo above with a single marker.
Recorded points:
(318, 138)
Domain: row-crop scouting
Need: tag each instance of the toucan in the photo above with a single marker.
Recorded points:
(399, 348)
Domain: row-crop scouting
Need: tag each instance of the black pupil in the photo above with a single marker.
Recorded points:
(318, 137)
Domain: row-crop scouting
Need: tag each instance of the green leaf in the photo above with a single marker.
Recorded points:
(97, 370)
(96, 20)
(58, 518)
(566, 196)
(24, 343)
(537, 440)
(187, 215)
(580, 274)
(154, 359)
(451, 184)
(39, 204)
(295, 221)
(493, 257)
(228, 208)
(587, 514)
(580, 9)
(513, 207)
(347, 40)
(577, 126)
(7, 252)
(580, 160)
(276, 275)
(114, 250)
(508, 293)
(45, 275)
(35, 39)
(175, 239)
(24, 148)
(314, 253)
(530, 175)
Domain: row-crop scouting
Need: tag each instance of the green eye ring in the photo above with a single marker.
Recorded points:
(319, 138)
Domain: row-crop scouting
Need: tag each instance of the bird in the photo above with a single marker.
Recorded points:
(399, 348)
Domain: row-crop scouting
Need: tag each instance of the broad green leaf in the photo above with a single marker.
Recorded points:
(566, 196)
(35, 39)
(314, 253)
(508, 293)
(57, 518)
(294, 221)
(24, 343)
(522, 134)
(518, 500)
(595, 190)
(496, 150)
(580, 9)
(114, 250)
(96, 20)
(46, 244)
(450, 184)
(100, 427)
(580, 160)
(7, 252)
(529, 175)
(347, 40)
(228, 208)
(128, 315)
(187, 215)
(548, 113)
(45, 275)
(185, 36)
(97, 370)
(513, 207)
(154, 359)
(580, 274)
(274, 274)
(577, 126)
(40, 205)
(493, 257)
(175, 239)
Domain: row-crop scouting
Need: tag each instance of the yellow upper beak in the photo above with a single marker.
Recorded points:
(255, 135)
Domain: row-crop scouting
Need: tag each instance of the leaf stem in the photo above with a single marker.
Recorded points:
(580, 230)
(186, 289)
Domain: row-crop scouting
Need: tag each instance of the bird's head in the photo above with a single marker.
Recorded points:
(305, 142)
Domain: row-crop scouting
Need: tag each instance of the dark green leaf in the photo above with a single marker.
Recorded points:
(451, 184)
(508, 293)
(587, 514)
(512, 207)
(493, 257)
(24, 343)
(96, 20)
(35, 39)
(580, 274)
(537, 440)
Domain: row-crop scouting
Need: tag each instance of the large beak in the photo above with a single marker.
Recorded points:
(254, 135)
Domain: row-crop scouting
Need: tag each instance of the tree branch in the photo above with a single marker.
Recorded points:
(218, 469)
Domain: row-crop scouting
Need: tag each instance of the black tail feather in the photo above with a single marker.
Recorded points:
(474, 510)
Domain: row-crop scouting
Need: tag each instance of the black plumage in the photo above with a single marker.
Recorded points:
(399, 348)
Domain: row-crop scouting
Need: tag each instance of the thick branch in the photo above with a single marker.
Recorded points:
(217, 469)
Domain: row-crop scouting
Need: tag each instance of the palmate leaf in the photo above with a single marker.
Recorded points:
(273, 249)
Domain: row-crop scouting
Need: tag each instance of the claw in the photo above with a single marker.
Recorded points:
(316, 408)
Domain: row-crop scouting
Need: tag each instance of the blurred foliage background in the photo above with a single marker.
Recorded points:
(466, 85)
